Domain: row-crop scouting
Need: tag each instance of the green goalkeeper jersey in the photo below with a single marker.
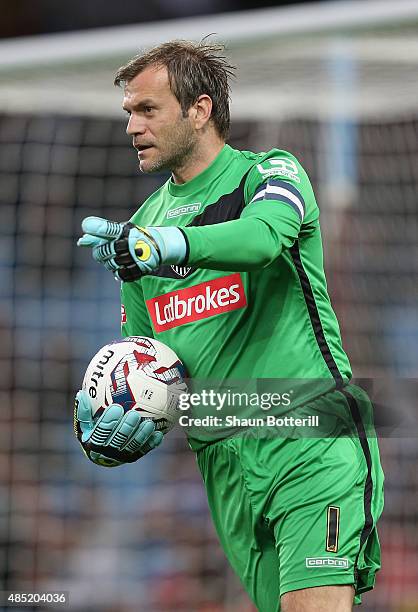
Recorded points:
(251, 301)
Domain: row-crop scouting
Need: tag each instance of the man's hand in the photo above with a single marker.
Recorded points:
(130, 251)
(114, 438)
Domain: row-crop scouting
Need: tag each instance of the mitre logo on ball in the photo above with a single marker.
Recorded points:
(138, 373)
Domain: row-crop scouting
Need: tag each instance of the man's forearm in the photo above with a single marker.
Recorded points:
(253, 241)
(243, 244)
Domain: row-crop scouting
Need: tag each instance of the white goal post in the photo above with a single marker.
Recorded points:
(349, 58)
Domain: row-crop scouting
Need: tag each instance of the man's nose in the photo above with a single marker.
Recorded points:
(135, 126)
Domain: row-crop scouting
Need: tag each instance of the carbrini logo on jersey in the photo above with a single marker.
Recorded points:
(197, 302)
(335, 562)
(186, 209)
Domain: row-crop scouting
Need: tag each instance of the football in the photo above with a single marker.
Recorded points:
(139, 373)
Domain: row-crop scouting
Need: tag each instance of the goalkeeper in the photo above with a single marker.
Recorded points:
(223, 263)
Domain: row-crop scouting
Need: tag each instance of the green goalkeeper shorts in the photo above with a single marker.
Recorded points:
(300, 512)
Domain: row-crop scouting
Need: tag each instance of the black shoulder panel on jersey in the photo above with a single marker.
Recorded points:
(227, 208)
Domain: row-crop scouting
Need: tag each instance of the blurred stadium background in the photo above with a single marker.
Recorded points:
(335, 83)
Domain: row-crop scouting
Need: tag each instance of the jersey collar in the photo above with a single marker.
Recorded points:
(216, 167)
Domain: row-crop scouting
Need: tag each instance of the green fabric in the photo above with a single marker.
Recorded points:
(268, 495)
(272, 336)
(269, 499)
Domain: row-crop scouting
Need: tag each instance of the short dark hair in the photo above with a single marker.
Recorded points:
(193, 69)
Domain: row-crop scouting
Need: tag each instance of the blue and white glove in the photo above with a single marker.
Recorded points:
(130, 251)
(115, 437)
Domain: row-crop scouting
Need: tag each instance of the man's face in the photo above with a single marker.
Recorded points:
(163, 138)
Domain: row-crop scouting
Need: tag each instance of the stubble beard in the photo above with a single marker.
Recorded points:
(180, 144)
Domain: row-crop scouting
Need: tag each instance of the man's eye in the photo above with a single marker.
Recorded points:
(148, 109)
(127, 112)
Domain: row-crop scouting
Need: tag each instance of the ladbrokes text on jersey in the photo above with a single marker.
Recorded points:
(197, 302)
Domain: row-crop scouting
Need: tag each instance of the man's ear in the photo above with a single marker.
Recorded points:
(201, 111)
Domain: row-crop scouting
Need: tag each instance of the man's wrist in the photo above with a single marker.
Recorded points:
(172, 244)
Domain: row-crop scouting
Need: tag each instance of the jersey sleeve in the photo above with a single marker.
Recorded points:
(134, 315)
(279, 200)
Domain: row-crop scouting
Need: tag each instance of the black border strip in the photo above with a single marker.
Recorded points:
(289, 187)
(368, 485)
(314, 316)
(333, 528)
(284, 200)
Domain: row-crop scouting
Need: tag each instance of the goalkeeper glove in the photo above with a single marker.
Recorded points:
(130, 251)
(115, 437)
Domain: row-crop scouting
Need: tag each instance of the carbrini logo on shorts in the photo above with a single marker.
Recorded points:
(197, 302)
(335, 562)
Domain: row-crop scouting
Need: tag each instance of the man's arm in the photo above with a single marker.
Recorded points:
(116, 437)
(250, 242)
(280, 200)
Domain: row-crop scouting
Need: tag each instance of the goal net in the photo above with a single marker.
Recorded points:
(337, 85)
